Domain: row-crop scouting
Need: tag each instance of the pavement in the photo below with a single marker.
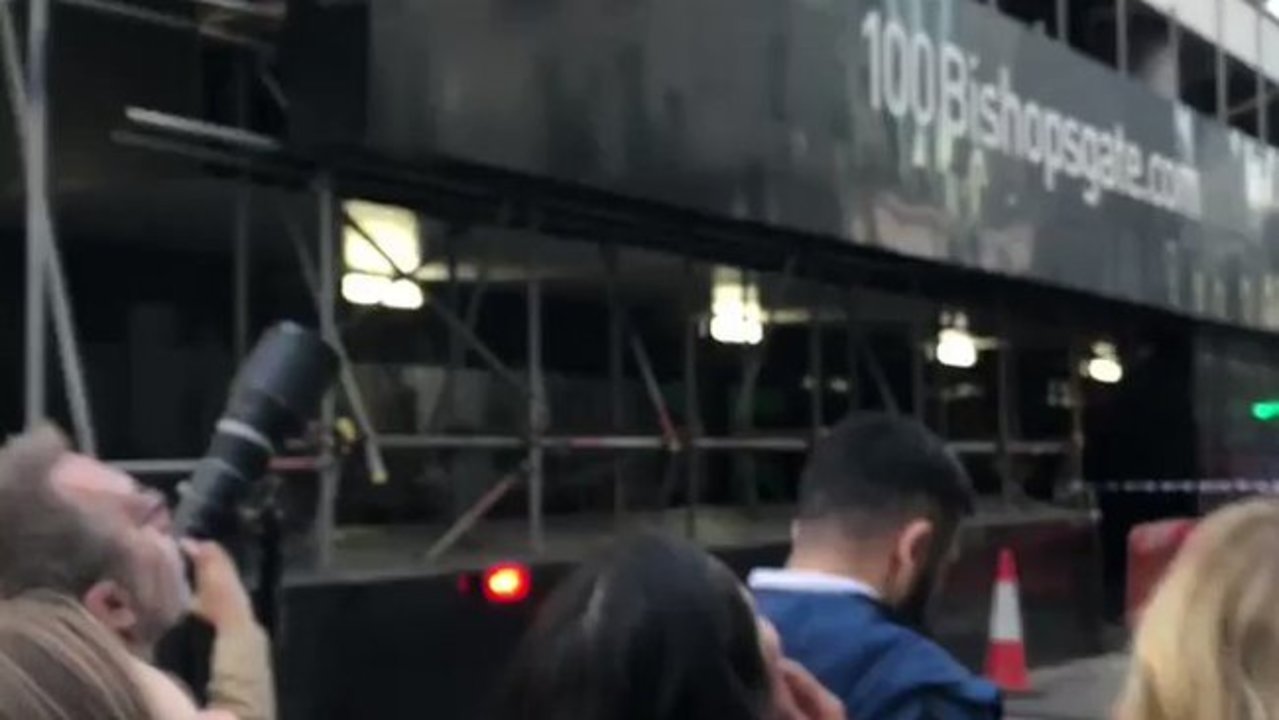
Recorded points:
(1080, 690)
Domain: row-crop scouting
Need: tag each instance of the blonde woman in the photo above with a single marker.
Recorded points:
(1207, 647)
(58, 663)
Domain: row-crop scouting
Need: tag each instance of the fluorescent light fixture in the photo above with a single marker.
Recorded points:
(1104, 366)
(956, 348)
(395, 231)
(403, 295)
(737, 318)
(389, 245)
(364, 289)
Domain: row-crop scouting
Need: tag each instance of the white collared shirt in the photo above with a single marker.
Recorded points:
(808, 581)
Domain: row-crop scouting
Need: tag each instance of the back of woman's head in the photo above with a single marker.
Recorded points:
(57, 663)
(655, 629)
(1208, 642)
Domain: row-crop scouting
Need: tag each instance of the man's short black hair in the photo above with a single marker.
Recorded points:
(874, 471)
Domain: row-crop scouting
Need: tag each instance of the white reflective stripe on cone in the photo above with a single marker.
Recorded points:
(1005, 616)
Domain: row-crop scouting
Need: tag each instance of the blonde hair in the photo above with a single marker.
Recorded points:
(58, 663)
(1207, 646)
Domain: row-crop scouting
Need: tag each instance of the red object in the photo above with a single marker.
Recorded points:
(507, 583)
(1151, 548)
(1006, 656)
(1007, 570)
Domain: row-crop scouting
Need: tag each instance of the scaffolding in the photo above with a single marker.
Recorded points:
(256, 156)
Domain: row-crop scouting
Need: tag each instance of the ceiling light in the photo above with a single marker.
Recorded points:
(1104, 366)
(956, 347)
(379, 245)
(364, 289)
(403, 295)
(737, 318)
(394, 232)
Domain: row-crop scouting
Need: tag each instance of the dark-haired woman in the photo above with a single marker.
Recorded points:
(656, 629)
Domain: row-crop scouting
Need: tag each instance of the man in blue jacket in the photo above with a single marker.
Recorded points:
(880, 504)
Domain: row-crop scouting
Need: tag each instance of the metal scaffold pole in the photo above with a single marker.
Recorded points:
(326, 511)
(537, 413)
(692, 403)
(816, 373)
(241, 232)
(28, 100)
(36, 170)
(616, 358)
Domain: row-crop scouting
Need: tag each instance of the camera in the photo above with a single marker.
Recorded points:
(275, 392)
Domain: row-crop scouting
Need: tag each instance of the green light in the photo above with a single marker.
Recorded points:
(1265, 410)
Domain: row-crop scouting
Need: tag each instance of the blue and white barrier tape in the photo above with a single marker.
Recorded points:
(1225, 486)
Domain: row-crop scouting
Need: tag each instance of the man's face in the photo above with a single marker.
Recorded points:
(153, 579)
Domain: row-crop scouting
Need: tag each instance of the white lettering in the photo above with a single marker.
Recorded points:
(938, 87)
(924, 74)
(870, 33)
(1053, 152)
(954, 95)
(896, 69)
(1032, 147)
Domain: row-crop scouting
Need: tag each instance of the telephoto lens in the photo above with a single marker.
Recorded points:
(277, 389)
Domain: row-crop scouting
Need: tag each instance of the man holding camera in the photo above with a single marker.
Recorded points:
(72, 525)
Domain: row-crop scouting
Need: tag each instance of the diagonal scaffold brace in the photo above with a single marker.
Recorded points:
(45, 275)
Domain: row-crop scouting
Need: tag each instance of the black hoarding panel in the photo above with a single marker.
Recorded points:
(938, 130)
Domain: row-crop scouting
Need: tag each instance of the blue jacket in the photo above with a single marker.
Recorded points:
(879, 668)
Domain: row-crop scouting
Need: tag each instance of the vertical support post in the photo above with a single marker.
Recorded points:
(853, 348)
(241, 231)
(1075, 453)
(359, 411)
(68, 348)
(692, 404)
(240, 261)
(1223, 89)
(536, 412)
(37, 206)
(816, 372)
(1004, 441)
(1174, 40)
(1063, 21)
(457, 352)
(744, 461)
(918, 386)
(14, 83)
(59, 295)
(330, 469)
(1263, 98)
(1121, 36)
(616, 358)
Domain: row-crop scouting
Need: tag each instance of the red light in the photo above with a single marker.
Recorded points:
(507, 583)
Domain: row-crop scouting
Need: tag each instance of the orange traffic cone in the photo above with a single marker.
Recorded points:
(1006, 658)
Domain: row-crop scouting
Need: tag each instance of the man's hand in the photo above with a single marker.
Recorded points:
(220, 597)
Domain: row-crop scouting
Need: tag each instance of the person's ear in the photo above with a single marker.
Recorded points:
(112, 605)
(914, 543)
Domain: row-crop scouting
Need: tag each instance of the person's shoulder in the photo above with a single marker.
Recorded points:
(926, 672)
(909, 647)
(842, 606)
